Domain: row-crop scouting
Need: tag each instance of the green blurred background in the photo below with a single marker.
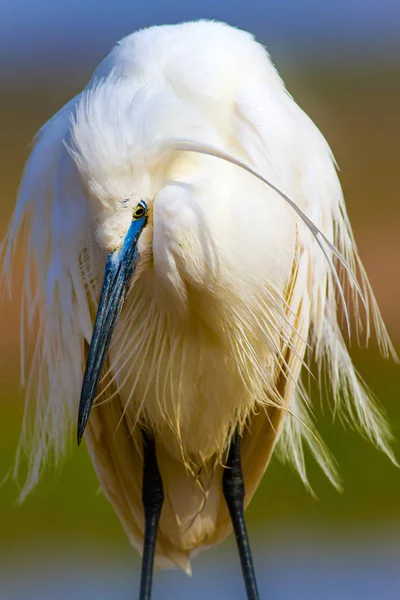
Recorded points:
(341, 62)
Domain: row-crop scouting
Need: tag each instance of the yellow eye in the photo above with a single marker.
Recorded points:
(140, 211)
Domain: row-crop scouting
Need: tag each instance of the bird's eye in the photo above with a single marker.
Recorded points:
(140, 210)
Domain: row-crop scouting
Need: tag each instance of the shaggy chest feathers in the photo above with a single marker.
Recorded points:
(192, 375)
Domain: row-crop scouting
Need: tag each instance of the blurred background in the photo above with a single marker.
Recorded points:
(341, 61)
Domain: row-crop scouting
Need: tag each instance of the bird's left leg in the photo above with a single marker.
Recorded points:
(152, 497)
(233, 488)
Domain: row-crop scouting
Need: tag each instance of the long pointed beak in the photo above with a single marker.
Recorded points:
(118, 273)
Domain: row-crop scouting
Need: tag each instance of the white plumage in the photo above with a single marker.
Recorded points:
(232, 294)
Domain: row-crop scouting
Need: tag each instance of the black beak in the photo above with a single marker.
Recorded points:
(118, 273)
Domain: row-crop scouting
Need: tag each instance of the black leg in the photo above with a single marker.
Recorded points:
(233, 487)
(153, 497)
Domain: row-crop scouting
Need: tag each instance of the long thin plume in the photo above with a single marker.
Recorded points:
(187, 145)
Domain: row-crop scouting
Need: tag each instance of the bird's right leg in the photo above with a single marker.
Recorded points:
(152, 497)
(233, 488)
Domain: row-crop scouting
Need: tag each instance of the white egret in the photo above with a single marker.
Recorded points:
(186, 178)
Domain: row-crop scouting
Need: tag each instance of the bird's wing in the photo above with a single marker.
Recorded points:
(279, 139)
(51, 217)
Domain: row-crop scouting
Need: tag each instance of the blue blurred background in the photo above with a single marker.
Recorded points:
(341, 61)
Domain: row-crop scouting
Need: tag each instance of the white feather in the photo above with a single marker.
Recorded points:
(209, 319)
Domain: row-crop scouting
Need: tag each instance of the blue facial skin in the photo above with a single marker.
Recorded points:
(120, 266)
